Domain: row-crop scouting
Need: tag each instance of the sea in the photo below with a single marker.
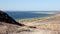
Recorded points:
(18, 15)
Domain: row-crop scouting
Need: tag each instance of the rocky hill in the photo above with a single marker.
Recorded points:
(7, 23)
(4, 17)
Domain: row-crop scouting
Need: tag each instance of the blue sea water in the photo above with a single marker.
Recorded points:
(23, 15)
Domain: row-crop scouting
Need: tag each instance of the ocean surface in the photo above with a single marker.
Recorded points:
(24, 14)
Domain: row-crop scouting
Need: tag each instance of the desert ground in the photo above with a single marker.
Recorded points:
(47, 25)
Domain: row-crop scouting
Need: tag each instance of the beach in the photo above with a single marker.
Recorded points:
(47, 24)
(47, 12)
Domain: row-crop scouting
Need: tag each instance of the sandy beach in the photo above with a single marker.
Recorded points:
(47, 12)
(49, 25)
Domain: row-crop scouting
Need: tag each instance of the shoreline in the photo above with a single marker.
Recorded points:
(56, 14)
(48, 23)
(38, 17)
(51, 23)
(46, 12)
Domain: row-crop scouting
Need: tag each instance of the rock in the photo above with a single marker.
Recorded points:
(3, 29)
(32, 26)
(4, 17)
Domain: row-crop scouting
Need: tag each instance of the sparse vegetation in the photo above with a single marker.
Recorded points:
(48, 23)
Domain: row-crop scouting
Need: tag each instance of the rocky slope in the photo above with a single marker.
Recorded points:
(4, 17)
(7, 23)
(9, 26)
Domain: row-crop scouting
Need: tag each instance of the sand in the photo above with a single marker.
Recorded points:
(48, 25)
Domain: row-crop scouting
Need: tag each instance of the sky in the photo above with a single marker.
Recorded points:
(30, 5)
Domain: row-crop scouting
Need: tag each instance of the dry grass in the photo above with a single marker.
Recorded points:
(50, 23)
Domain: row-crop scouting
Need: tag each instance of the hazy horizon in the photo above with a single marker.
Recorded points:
(30, 5)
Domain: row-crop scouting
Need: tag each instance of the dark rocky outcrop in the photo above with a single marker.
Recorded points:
(4, 17)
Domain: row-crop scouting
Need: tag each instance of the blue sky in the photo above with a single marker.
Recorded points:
(30, 5)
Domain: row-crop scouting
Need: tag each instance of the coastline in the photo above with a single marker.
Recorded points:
(56, 14)
(38, 17)
(48, 23)
(28, 20)
(46, 12)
